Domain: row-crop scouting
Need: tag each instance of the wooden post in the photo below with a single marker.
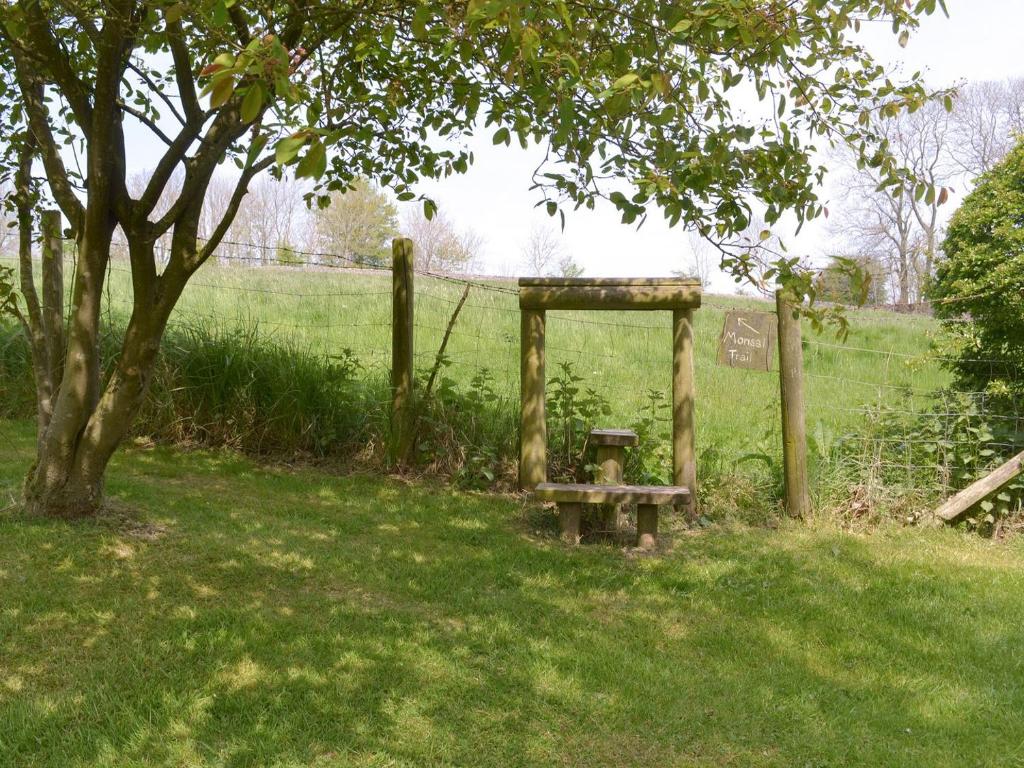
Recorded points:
(959, 505)
(533, 431)
(646, 526)
(569, 515)
(794, 429)
(684, 452)
(402, 327)
(53, 288)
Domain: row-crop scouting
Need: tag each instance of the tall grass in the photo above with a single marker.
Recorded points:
(291, 361)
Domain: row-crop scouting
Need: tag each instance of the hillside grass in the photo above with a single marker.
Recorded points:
(228, 614)
(623, 356)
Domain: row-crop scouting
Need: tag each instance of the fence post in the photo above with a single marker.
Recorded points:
(684, 451)
(533, 433)
(794, 428)
(402, 327)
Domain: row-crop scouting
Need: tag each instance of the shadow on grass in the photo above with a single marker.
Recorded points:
(290, 618)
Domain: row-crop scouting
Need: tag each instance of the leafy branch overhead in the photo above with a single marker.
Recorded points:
(641, 91)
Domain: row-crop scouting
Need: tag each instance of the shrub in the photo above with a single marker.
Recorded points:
(979, 283)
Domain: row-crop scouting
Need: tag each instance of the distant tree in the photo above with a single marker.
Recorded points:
(359, 224)
(438, 245)
(987, 119)
(543, 251)
(704, 258)
(900, 225)
(286, 256)
(567, 267)
(852, 281)
(979, 283)
(273, 212)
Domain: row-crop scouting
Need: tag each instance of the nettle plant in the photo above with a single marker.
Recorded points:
(634, 101)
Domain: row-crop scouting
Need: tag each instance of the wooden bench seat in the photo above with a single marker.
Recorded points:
(571, 497)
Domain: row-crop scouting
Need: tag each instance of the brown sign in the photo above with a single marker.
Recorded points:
(748, 340)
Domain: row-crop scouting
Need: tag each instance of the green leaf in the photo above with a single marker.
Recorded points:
(221, 91)
(174, 13)
(625, 81)
(288, 148)
(252, 103)
(419, 22)
(314, 164)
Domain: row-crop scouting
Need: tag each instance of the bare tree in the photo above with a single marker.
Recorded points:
(569, 267)
(440, 246)
(880, 226)
(270, 218)
(900, 226)
(543, 252)
(987, 119)
(922, 141)
(704, 258)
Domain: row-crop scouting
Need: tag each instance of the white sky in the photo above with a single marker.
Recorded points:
(980, 41)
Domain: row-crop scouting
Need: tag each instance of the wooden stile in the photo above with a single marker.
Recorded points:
(959, 505)
(533, 433)
(684, 449)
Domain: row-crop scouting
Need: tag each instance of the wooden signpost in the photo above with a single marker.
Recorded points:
(748, 340)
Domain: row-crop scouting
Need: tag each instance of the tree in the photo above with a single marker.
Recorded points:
(979, 283)
(634, 95)
(857, 283)
(440, 247)
(543, 251)
(987, 119)
(567, 266)
(899, 225)
(704, 257)
(269, 217)
(358, 225)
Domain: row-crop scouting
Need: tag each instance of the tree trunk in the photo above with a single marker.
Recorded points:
(87, 425)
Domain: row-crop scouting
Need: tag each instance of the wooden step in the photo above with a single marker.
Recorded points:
(581, 493)
(625, 438)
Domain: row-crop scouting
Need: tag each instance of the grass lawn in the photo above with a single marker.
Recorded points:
(245, 616)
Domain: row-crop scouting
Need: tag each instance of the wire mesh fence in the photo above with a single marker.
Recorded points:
(879, 408)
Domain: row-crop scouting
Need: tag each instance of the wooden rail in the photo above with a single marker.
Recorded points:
(956, 507)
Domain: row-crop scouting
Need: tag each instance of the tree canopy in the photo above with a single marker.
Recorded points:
(641, 90)
(979, 283)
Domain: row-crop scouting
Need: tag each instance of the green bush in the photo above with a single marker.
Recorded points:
(979, 283)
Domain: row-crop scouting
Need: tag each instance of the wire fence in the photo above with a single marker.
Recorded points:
(879, 408)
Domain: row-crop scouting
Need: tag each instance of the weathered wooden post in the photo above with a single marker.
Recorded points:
(533, 431)
(611, 447)
(794, 429)
(684, 452)
(402, 328)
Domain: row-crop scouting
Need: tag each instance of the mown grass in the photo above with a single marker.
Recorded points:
(235, 615)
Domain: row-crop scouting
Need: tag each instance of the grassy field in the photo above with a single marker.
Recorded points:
(233, 615)
(277, 388)
(623, 356)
